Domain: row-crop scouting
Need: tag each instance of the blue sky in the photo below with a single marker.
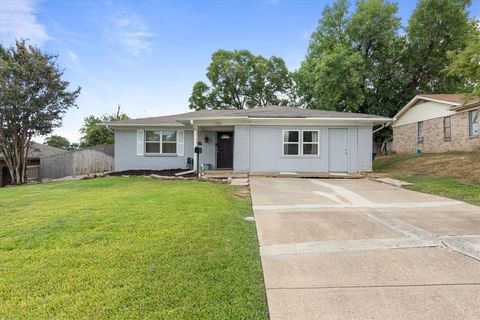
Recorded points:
(146, 55)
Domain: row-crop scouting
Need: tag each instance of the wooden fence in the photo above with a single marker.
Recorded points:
(78, 162)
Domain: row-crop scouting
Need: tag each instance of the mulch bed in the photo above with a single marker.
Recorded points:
(165, 173)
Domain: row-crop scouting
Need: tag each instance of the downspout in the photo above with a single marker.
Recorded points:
(378, 129)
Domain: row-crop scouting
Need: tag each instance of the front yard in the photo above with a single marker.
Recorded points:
(454, 174)
(128, 248)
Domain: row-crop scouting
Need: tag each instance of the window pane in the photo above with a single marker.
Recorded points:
(420, 130)
(152, 135)
(290, 136)
(290, 149)
(310, 149)
(169, 136)
(169, 148)
(152, 147)
(310, 136)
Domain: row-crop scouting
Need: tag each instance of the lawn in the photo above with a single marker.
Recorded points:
(455, 174)
(128, 248)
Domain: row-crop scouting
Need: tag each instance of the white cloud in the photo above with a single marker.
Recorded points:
(17, 20)
(131, 31)
(73, 59)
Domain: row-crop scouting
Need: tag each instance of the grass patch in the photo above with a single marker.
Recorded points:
(454, 175)
(446, 187)
(128, 248)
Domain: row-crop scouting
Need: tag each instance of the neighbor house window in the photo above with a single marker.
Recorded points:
(310, 142)
(473, 121)
(296, 142)
(420, 131)
(291, 142)
(160, 142)
(447, 128)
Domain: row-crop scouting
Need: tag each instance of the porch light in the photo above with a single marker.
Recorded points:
(206, 139)
(225, 136)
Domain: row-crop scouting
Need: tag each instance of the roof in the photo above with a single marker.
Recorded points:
(38, 150)
(457, 101)
(269, 112)
(451, 97)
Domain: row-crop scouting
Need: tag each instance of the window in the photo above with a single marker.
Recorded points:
(447, 128)
(473, 123)
(160, 142)
(296, 142)
(291, 142)
(420, 131)
(310, 142)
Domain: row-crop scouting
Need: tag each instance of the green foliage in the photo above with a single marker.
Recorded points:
(33, 100)
(128, 248)
(364, 62)
(94, 133)
(466, 63)
(238, 79)
(58, 142)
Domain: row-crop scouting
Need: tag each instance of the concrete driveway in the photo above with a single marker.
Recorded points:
(358, 249)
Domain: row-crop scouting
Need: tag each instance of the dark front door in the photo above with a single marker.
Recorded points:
(224, 150)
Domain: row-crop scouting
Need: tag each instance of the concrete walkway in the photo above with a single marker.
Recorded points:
(359, 249)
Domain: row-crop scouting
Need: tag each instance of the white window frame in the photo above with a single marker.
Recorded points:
(312, 143)
(300, 143)
(421, 137)
(449, 128)
(471, 123)
(160, 132)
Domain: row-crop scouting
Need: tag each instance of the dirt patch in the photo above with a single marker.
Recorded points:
(243, 192)
(463, 166)
(165, 173)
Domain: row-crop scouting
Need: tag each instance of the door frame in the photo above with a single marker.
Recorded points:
(346, 129)
(219, 133)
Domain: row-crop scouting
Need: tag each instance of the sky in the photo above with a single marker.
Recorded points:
(145, 55)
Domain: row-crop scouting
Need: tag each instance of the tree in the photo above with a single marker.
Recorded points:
(33, 100)
(466, 64)
(363, 62)
(435, 28)
(238, 79)
(94, 134)
(58, 142)
(352, 61)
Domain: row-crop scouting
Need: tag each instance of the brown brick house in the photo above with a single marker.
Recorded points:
(437, 123)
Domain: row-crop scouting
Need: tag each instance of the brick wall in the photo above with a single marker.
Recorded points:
(405, 137)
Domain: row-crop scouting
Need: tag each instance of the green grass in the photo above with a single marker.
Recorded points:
(452, 174)
(128, 248)
(447, 187)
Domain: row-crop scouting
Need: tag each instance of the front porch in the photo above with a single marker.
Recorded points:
(217, 145)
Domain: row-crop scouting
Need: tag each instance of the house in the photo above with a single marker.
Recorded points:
(267, 139)
(36, 152)
(437, 123)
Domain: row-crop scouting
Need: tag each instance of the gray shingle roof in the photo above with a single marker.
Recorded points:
(38, 150)
(264, 112)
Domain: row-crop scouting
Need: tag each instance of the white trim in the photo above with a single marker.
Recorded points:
(140, 142)
(300, 143)
(297, 143)
(415, 99)
(180, 143)
(161, 142)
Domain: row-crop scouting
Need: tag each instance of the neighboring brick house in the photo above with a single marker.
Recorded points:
(437, 123)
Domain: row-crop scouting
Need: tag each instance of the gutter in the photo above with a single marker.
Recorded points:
(378, 129)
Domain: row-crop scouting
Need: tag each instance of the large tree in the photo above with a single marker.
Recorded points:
(94, 133)
(352, 61)
(465, 64)
(238, 79)
(33, 100)
(364, 62)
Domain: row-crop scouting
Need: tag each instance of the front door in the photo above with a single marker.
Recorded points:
(338, 150)
(224, 150)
